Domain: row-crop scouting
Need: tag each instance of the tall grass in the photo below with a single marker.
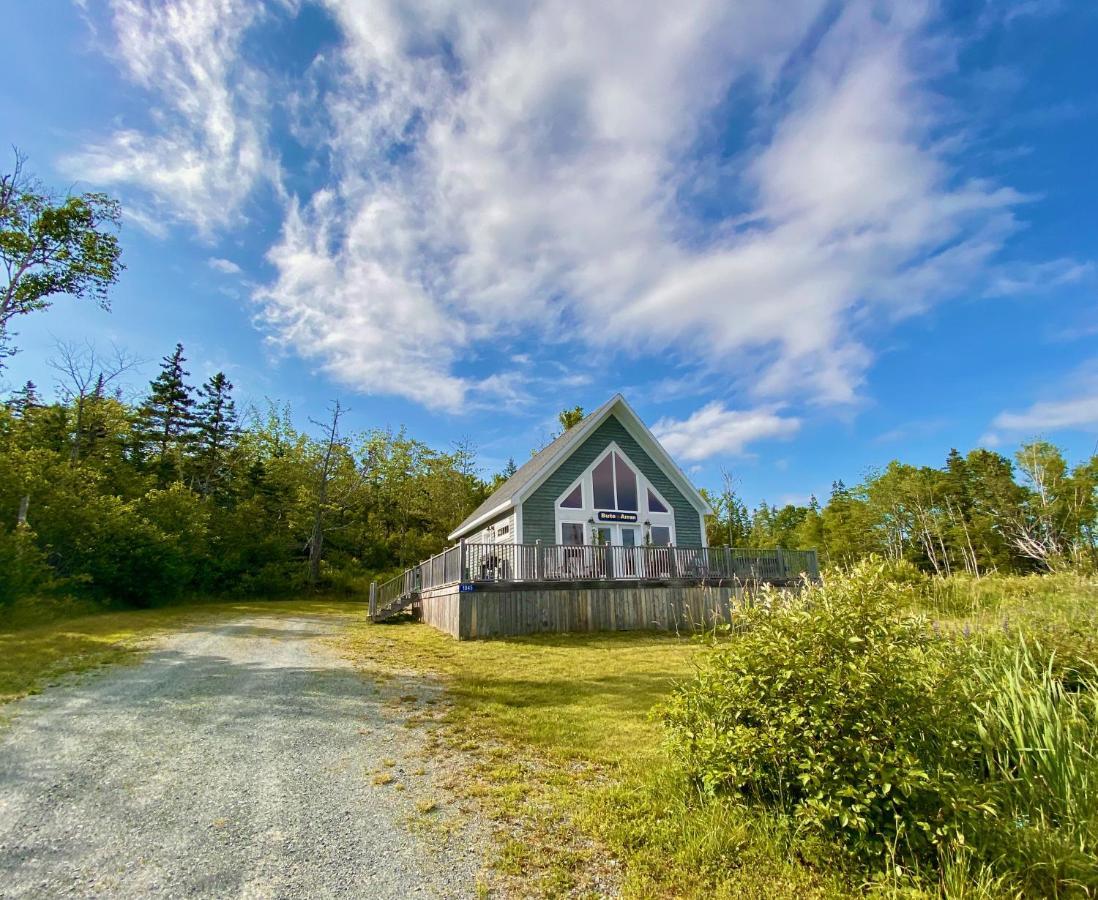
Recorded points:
(1040, 742)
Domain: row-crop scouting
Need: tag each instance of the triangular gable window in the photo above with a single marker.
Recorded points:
(574, 500)
(654, 503)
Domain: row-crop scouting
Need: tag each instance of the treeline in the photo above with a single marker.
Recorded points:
(177, 492)
(978, 513)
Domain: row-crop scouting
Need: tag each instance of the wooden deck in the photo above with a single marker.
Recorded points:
(485, 590)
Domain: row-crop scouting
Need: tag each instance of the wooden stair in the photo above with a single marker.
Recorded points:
(394, 607)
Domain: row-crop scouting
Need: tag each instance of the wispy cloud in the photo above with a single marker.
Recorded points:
(495, 173)
(206, 147)
(1074, 407)
(1076, 412)
(715, 430)
(224, 266)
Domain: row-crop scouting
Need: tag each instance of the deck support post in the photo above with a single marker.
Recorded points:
(463, 563)
(673, 562)
(373, 599)
(538, 566)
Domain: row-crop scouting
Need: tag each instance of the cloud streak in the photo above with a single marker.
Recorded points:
(715, 430)
(496, 176)
(206, 146)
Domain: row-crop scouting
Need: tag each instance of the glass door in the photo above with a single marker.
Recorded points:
(603, 552)
(627, 561)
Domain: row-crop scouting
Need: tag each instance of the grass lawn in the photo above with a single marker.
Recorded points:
(568, 760)
(33, 656)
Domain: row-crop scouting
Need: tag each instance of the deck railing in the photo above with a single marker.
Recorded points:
(507, 563)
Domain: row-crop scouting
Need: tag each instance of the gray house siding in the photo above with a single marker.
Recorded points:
(538, 515)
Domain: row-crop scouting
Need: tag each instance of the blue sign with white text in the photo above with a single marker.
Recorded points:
(465, 587)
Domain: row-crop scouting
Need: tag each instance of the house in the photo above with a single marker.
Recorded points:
(607, 480)
(599, 530)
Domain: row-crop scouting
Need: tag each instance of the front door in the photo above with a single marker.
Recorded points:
(627, 561)
(620, 558)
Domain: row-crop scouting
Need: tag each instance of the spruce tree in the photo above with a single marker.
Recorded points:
(167, 416)
(24, 399)
(215, 428)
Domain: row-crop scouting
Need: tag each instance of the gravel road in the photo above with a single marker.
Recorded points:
(234, 761)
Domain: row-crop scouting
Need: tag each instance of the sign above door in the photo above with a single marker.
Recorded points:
(617, 517)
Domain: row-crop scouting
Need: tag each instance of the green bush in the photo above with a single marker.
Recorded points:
(923, 751)
(843, 710)
(24, 567)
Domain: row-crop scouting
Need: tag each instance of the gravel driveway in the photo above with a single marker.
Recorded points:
(234, 761)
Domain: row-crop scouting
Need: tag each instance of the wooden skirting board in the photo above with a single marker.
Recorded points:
(502, 610)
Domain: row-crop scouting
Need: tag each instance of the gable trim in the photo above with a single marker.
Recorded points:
(648, 442)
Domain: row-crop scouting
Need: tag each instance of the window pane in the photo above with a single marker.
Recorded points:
(629, 537)
(571, 534)
(627, 485)
(603, 483)
(602, 536)
(654, 504)
(661, 535)
(574, 500)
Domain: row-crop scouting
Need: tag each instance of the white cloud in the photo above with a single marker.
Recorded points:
(225, 266)
(715, 430)
(207, 147)
(505, 174)
(1077, 410)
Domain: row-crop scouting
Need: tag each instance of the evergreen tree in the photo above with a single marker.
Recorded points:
(502, 476)
(215, 429)
(24, 399)
(167, 416)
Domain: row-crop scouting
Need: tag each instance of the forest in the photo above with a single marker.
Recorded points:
(140, 502)
(174, 493)
(978, 513)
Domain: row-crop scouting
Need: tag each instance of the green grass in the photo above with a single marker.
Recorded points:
(32, 656)
(562, 741)
(569, 760)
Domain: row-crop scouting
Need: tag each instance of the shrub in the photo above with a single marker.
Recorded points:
(23, 566)
(844, 710)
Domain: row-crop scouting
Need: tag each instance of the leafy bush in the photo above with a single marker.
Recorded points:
(917, 748)
(843, 710)
(24, 567)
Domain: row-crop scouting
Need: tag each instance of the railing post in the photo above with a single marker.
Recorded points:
(373, 599)
(463, 575)
(539, 566)
(672, 561)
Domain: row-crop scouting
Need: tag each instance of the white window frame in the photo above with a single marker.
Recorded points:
(584, 514)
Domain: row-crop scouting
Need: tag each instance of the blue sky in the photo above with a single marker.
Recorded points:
(802, 238)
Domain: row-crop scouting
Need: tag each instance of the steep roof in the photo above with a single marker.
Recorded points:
(546, 460)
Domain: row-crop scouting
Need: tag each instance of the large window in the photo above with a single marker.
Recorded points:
(614, 484)
(627, 485)
(661, 535)
(602, 483)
